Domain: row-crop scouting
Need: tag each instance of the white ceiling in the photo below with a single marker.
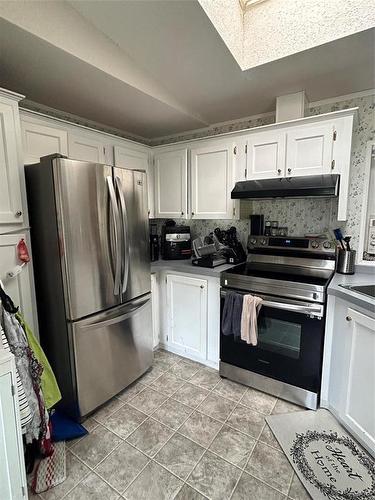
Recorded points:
(175, 44)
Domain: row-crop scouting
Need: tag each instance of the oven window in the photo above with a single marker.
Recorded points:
(279, 336)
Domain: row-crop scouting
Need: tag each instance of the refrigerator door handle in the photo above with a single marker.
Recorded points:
(136, 308)
(116, 219)
(124, 216)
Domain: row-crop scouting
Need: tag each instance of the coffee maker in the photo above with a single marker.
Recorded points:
(175, 241)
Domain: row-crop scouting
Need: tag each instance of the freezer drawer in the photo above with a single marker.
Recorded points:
(111, 350)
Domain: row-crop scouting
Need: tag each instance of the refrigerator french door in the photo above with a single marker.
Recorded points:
(89, 225)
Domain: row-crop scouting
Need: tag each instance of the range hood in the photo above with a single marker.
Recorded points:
(326, 186)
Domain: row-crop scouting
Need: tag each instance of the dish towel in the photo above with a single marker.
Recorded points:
(23, 404)
(232, 311)
(50, 389)
(249, 327)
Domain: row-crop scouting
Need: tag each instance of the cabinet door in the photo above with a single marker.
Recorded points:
(19, 287)
(155, 311)
(266, 155)
(136, 159)
(187, 315)
(10, 190)
(309, 150)
(85, 148)
(212, 180)
(171, 184)
(359, 404)
(41, 140)
(12, 463)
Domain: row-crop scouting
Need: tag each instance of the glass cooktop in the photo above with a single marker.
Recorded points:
(285, 273)
(368, 290)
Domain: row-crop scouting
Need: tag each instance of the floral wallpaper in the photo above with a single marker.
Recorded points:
(301, 216)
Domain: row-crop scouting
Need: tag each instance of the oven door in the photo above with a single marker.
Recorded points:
(290, 343)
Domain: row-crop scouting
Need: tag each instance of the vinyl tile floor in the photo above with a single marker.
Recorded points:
(180, 432)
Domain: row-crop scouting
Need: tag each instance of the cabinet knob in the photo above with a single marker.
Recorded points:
(182, 213)
(192, 213)
(348, 318)
(279, 171)
(202, 286)
(289, 170)
(18, 214)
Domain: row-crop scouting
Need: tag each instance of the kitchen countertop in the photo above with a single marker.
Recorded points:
(185, 266)
(359, 278)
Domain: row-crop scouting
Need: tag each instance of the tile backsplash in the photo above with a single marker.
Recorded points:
(303, 216)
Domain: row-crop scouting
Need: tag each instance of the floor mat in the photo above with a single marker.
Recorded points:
(330, 464)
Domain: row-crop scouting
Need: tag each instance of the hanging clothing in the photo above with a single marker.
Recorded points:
(23, 404)
(232, 311)
(50, 389)
(19, 347)
(249, 319)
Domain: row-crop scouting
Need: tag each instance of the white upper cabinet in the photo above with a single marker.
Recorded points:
(10, 161)
(137, 159)
(86, 148)
(20, 286)
(266, 155)
(212, 180)
(41, 140)
(171, 183)
(309, 149)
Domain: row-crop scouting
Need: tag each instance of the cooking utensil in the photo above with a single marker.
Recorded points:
(347, 241)
(339, 237)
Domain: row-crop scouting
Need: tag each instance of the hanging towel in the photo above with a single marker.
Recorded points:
(50, 389)
(249, 327)
(18, 345)
(231, 317)
(23, 404)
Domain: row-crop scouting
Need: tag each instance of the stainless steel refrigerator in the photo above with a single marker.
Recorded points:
(89, 231)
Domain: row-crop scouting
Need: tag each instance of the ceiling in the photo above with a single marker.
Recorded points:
(176, 47)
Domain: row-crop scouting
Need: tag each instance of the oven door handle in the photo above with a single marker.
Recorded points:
(307, 309)
(311, 309)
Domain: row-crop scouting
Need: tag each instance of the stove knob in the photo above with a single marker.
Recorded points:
(327, 244)
(253, 241)
(263, 241)
(315, 244)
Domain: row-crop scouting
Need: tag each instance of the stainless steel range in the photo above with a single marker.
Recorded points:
(291, 275)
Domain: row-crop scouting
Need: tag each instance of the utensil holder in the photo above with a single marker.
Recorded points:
(345, 261)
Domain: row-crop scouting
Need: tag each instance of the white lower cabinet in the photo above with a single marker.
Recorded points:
(12, 465)
(189, 315)
(155, 311)
(349, 370)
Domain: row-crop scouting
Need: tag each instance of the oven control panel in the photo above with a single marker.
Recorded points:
(305, 244)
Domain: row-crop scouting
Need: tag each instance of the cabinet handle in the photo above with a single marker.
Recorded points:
(289, 170)
(18, 214)
(279, 171)
(348, 318)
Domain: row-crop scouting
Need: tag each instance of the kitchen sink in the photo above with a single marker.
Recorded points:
(368, 290)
